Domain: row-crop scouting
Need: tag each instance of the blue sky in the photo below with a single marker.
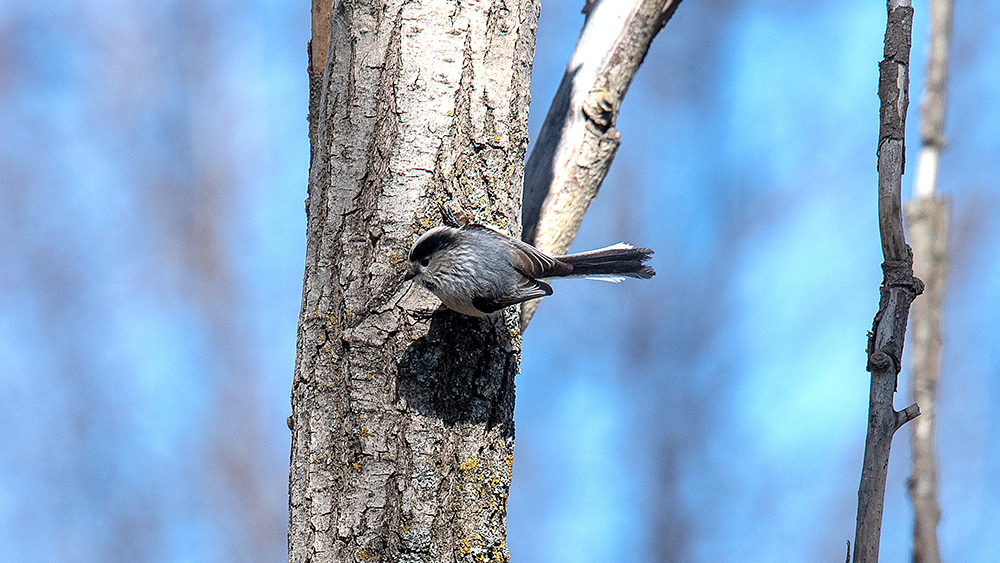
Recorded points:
(153, 163)
(749, 137)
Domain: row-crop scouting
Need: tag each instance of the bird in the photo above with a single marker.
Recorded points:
(477, 270)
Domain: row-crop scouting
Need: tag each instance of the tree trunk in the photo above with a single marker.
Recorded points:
(402, 425)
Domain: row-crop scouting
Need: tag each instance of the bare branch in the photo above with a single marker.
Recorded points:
(927, 222)
(927, 225)
(899, 287)
(578, 140)
(909, 413)
(935, 102)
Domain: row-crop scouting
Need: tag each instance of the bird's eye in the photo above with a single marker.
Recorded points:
(425, 262)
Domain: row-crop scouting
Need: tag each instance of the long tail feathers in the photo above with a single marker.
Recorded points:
(616, 260)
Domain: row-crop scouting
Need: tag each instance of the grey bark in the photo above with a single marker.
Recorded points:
(927, 218)
(402, 428)
(899, 287)
(578, 140)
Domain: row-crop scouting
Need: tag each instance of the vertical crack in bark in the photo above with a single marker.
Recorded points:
(403, 428)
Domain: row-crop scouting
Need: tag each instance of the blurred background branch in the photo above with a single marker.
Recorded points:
(927, 220)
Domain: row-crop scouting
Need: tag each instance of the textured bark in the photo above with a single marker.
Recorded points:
(899, 287)
(927, 224)
(578, 140)
(402, 428)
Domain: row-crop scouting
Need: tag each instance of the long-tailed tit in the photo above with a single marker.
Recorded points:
(477, 270)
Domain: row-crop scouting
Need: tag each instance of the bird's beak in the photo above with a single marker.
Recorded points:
(411, 272)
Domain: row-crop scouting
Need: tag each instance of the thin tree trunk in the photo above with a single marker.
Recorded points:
(927, 223)
(899, 287)
(402, 428)
(578, 140)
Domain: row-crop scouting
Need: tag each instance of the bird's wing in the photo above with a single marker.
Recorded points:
(527, 259)
(529, 288)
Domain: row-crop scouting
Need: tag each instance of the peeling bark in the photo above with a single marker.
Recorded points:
(402, 426)
(899, 287)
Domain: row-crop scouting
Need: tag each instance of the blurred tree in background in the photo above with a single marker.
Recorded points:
(146, 215)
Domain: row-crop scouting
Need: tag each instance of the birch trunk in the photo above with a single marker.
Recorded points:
(402, 428)
(578, 140)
